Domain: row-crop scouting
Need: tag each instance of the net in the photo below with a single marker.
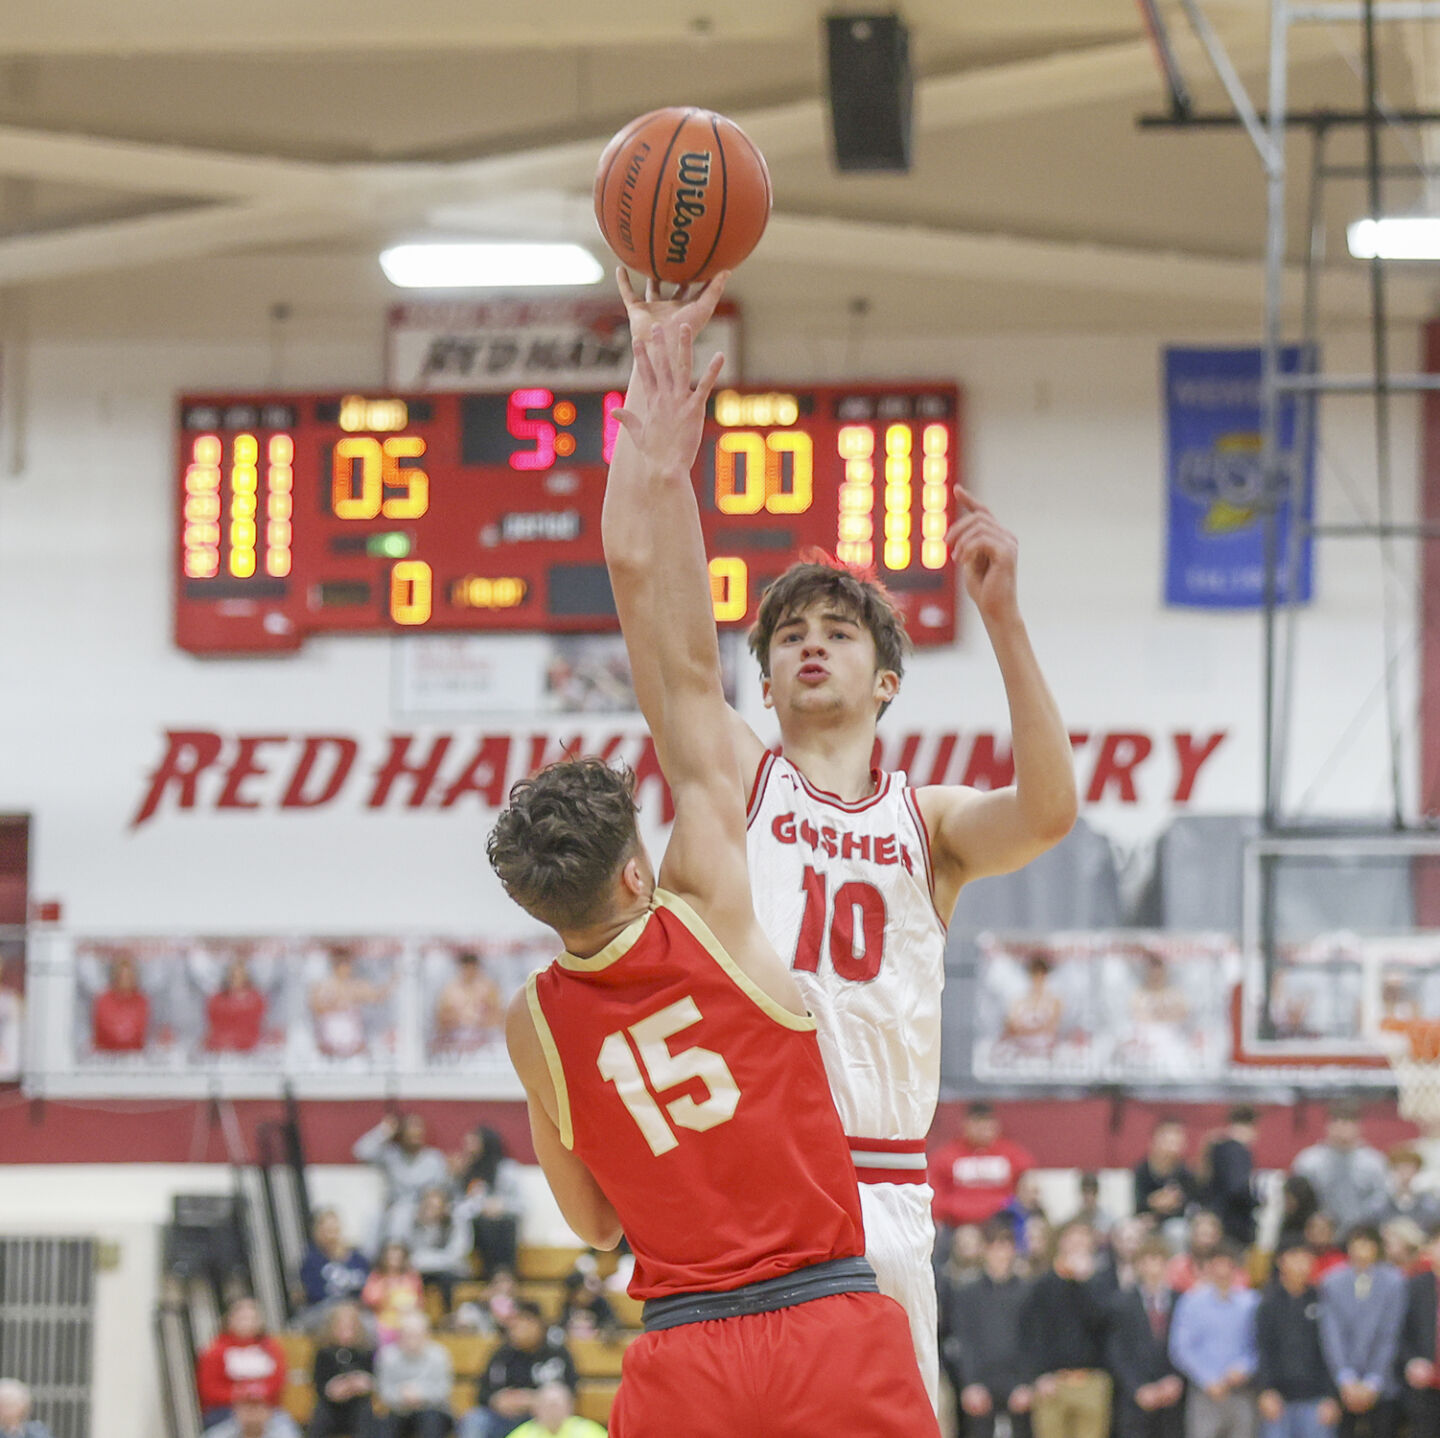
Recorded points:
(1413, 1048)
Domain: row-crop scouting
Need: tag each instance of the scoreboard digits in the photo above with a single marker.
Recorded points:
(312, 514)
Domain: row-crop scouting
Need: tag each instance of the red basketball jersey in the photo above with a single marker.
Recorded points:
(700, 1105)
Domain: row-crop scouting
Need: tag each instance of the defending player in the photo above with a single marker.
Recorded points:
(856, 873)
(674, 1080)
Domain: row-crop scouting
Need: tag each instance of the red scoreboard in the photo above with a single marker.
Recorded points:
(352, 513)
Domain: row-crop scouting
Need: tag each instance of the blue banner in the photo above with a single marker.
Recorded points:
(1217, 500)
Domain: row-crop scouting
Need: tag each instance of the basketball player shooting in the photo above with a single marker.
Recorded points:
(855, 872)
(674, 1079)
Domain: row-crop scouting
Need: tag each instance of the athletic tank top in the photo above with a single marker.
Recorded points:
(700, 1105)
(844, 892)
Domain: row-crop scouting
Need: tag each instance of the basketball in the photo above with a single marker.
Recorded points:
(681, 194)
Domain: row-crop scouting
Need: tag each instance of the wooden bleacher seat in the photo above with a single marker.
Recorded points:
(470, 1291)
(299, 1350)
(299, 1401)
(535, 1261)
(549, 1294)
(463, 1397)
(594, 1358)
(469, 1352)
(627, 1309)
(595, 1397)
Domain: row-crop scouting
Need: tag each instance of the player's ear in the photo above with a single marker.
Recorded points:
(887, 685)
(634, 876)
(766, 696)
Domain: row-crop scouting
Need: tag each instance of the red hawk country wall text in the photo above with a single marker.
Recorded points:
(210, 771)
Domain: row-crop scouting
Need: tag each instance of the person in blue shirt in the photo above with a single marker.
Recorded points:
(332, 1270)
(1212, 1342)
(1362, 1306)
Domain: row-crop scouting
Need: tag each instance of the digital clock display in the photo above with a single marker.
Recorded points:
(315, 514)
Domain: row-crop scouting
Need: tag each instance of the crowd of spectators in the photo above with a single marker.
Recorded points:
(1172, 1322)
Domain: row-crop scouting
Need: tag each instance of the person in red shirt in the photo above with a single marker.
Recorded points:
(974, 1176)
(673, 1075)
(235, 1014)
(120, 1017)
(243, 1355)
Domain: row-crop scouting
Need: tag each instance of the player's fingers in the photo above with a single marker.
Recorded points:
(627, 290)
(683, 354)
(709, 298)
(660, 359)
(707, 380)
(652, 289)
(962, 526)
(967, 501)
(629, 420)
(645, 368)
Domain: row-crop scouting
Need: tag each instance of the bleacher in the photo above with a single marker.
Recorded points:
(541, 1271)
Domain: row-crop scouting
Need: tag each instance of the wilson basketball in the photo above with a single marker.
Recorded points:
(681, 194)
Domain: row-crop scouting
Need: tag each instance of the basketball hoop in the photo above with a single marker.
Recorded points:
(1413, 1048)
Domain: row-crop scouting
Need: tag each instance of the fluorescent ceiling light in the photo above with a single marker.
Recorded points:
(490, 265)
(1397, 237)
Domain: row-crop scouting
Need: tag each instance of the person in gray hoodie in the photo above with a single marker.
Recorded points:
(413, 1377)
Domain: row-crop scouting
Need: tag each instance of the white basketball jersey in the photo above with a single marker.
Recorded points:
(844, 892)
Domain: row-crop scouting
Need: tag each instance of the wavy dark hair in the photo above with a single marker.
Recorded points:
(563, 837)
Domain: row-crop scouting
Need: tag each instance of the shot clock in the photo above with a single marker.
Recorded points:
(319, 514)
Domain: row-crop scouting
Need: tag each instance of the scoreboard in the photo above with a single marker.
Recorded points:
(302, 514)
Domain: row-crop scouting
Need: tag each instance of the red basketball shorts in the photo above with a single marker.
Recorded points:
(832, 1367)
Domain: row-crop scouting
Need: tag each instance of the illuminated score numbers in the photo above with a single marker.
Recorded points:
(855, 538)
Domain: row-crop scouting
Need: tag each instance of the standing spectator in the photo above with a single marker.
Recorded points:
(1148, 1389)
(413, 1377)
(1420, 1347)
(1206, 1236)
(488, 1180)
(525, 1362)
(344, 1377)
(1400, 1243)
(1118, 1262)
(1230, 1176)
(1297, 1204)
(1063, 1329)
(555, 1416)
(1362, 1305)
(1349, 1177)
(332, 1269)
(235, 1013)
(1320, 1236)
(439, 1241)
(1212, 1343)
(254, 1416)
(1400, 1199)
(397, 1147)
(1090, 1213)
(974, 1176)
(393, 1291)
(965, 1261)
(241, 1353)
(1165, 1188)
(15, 1419)
(980, 1340)
(1297, 1399)
(120, 1017)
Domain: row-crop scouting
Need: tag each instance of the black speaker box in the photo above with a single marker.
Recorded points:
(871, 91)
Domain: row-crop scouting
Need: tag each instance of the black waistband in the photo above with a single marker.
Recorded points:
(819, 1280)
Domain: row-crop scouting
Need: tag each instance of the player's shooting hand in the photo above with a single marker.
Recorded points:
(988, 556)
(691, 305)
(667, 432)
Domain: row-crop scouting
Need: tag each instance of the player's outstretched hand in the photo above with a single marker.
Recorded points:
(691, 305)
(667, 429)
(988, 556)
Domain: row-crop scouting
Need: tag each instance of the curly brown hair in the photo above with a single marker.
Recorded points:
(857, 595)
(563, 837)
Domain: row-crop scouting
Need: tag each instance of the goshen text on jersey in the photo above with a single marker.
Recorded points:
(872, 848)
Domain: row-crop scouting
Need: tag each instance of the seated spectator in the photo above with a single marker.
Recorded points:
(1212, 1343)
(974, 1176)
(413, 1377)
(525, 1362)
(1148, 1388)
(344, 1377)
(1418, 1338)
(1297, 1204)
(554, 1416)
(1230, 1176)
(1064, 1325)
(235, 1013)
(1320, 1238)
(1362, 1307)
(439, 1241)
(586, 1312)
(397, 1147)
(15, 1419)
(393, 1291)
(242, 1353)
(1297, 1398)
(470, 1011)
(501, 1296)
(1401, 1199)
(1206, 1236)
(120, 1017)
(980, 1339)
(1348, 1176)
(1165, 1188)
(332, 1270)
(488, 1180)
(254, 1415)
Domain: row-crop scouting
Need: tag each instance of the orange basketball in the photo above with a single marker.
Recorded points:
(681, 194)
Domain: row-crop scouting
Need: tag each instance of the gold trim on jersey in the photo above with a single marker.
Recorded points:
(552, 1062)
(805, 1023)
